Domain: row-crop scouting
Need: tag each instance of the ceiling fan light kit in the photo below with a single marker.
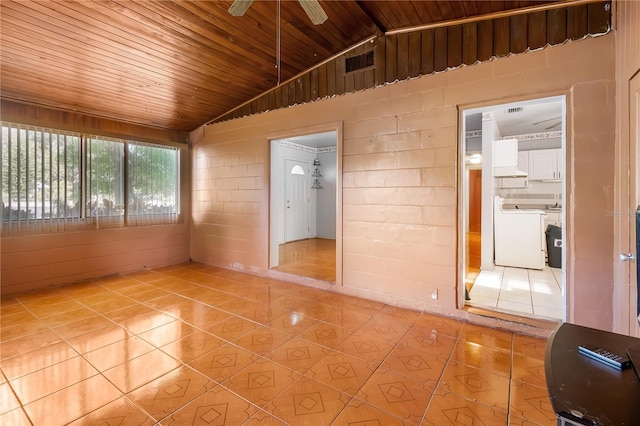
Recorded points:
(311, 7)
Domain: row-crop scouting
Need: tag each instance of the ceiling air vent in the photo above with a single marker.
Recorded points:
(359, 62)
(514, 109)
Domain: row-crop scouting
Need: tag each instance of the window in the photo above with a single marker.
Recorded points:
(153, 182)
(297, 170)
(55, 181)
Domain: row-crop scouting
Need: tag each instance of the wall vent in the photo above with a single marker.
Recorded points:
(359, 62)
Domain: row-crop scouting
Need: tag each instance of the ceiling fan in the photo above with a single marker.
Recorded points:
(311, 7)
(550, 119)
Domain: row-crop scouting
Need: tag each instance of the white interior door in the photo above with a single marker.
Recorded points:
(297, 203)
(634, 201)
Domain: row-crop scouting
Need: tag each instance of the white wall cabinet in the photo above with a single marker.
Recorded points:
(518, 182)
(546, 164)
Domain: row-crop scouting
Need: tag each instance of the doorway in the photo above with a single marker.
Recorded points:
(303, 205)
(512, 208)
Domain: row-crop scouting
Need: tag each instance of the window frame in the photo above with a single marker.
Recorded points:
(83, 218)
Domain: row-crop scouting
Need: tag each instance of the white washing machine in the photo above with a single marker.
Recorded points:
(519, 239)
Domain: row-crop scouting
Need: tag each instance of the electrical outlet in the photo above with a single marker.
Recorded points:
(434, 294)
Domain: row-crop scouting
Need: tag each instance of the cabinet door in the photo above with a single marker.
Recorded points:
(523, 161)
(543, 164)
(559, 164)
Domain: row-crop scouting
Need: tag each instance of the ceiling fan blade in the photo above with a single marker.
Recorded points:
(239, 7)
(554, 125)
(314, 11)
(544, 121)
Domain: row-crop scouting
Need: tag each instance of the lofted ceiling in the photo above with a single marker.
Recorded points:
(179, 64)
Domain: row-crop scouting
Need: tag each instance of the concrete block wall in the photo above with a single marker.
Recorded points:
(400, 173)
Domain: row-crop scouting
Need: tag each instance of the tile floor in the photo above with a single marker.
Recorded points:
(523, 291)
(197, 345)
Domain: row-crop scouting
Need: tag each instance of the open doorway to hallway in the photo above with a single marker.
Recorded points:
(512, 208)
(303, 205)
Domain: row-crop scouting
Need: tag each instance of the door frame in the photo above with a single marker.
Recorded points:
(565, 97)
(628, 147)
(336, 126)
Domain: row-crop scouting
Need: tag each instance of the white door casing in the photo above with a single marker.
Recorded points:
(634, 201)
(297, 202)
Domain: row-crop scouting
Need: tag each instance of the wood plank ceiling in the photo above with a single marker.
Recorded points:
(178, 64)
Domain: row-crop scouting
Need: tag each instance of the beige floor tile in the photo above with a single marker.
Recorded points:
(289, 302)
(96, 339)
(232, 328)
(417, 364)
(107, 302)
(193, 346)
(118, 353)
(74, 316)
(8, 400)
(87, 325)
(394, 313)
(366, 347)
(15, 417)
(439, 324)
(429, 341)
(50, 379)
(24, 344)
(485, 336)
(8, 333)
(147, 295)
(262, 340)
(341, 371)
(396, 394)
(531, 403)
(262, 313)
(11, 306)
(531, 347)
(358, 413)
(139, 318)
(119, 412)
(308, 402)
(447, 408)
(263, 418)
(197, 314)
(37, 360)
(141, 370)
(488, 359)
(72, 402)
(486, 388)
(291, 323)
(45, 311)
(381, 327)
(167, 333)
(298, 354)
(325, 334)
(528, 369)
(170, 392)
(261, 381)
(218, 406)
(224, 362)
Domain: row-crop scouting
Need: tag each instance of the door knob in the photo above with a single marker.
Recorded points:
(627, 257)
